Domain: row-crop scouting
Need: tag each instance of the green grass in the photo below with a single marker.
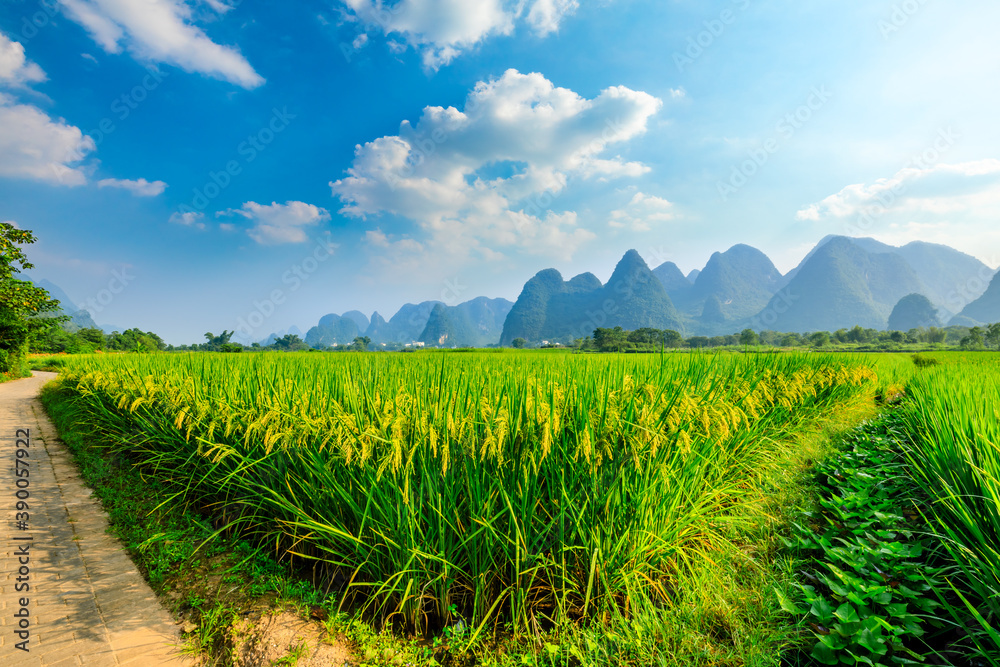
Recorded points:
(507, 490)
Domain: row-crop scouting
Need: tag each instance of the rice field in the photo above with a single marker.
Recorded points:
(510, 490)
(954, 420)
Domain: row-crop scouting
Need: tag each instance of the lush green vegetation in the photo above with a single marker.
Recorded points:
(532, 508)
(856, 340)
(510, 494)
(955, 459)
(868, 596)
(20, 302)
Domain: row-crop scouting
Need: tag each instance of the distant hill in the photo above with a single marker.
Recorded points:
(949, 278)
(985, 309)
(358, 318)
(67, 304)
(912, 312)
(550, 308)
(839, 285)
(403, 327)
(475, 323)
(332, 330)
(676, 283)
(743, 279)
(78, 318)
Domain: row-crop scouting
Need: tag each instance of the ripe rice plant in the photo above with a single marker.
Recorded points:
(516, 489)
(955, 426)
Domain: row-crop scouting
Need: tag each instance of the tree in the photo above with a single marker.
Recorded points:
(672, 338)
(95, 337)
(820, 339)
(290, 343)
(992, 336)
(935, 335)
(698, 341)
(21, 302)
(216, 342)
(645, 336)
(610, 339)
(518, 343)
(135, 340)
(749, 337)
(974, 341)
(791, 340)
(361, 343)
(857, 335)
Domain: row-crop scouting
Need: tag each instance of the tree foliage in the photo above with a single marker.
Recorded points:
(21, 302)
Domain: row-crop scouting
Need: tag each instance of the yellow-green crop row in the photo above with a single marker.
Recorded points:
(511, 488)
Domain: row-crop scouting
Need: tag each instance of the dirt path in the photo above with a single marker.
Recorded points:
(87, 603)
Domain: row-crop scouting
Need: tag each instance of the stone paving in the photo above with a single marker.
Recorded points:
(87, 603)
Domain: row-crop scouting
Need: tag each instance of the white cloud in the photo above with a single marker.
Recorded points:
(480, 180)
(360, 41)
(546, 15)
(161, 31)
(89, 57)
(941, 189)
(15, 69)
(218, 6)
(280, 223)
(189, 219)
(641, 211)
(34, 146)
(139, 188)
(443, 29)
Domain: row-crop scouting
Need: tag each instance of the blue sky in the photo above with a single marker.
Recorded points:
(188, 164)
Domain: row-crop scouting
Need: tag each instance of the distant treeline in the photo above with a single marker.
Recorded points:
(83, 341)
(641, 340)
(58, 339)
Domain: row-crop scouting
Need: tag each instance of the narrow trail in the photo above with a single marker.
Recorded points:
(87, 603)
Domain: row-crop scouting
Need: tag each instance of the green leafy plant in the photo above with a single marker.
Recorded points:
(872, 597)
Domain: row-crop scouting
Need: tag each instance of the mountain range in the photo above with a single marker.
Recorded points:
(78, 318)
(842, 282)
(474, 323)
